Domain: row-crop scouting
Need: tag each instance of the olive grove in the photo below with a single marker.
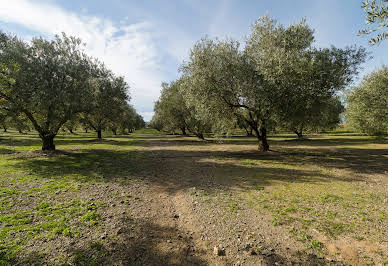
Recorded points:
(54, 82)
(277, 78)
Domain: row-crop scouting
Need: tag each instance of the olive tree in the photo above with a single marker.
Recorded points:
(172, 108)
(139, 122)
(52, 84)
(110, 93)
(174, 111)
(322, 114)
(156, 120)
(367, 109)
(277, 72)
(6, 81)
(376, 13)
(72, 124)
(127, 120)
(305, 78)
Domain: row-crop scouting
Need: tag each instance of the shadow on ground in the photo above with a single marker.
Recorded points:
(207, 169)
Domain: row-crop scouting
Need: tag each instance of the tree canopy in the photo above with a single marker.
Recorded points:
(367, 109)
(110, 95)
(173, 112)
(277, 72)
(376, 14)
(54, 82)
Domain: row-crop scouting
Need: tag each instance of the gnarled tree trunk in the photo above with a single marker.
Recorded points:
(262, 138)
(47, 142)
(263, 143)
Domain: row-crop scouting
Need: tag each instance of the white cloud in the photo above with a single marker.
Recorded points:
(128, 49)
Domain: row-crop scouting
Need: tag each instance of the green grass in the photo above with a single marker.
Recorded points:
(33, 187)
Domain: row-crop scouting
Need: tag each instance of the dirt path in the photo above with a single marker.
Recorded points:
(184, 227)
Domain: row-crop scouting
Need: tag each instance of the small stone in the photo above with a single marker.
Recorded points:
(219, 251)
(267, 252)
(176, 216)
(122, 202)
(169, 241)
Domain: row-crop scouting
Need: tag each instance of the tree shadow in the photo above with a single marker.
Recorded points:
(6, 151)
(181, 169)
(140, 242)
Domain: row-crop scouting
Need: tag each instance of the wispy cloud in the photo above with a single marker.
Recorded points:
(128, 49)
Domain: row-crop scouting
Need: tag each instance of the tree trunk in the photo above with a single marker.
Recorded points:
(246, 130)
(262, 139)
(99, 135)
(86, 130)
(5, 129)
(200, 135)
(114, 131)
(71, 131)
(48, 142)
(20, 131)
(300, 134)
(263, 144)
(183, 129)
(249, 132)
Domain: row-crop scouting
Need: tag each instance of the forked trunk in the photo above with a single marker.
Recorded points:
(48, 142)
(262, 139)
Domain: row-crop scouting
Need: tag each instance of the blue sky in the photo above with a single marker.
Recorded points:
(146, 41)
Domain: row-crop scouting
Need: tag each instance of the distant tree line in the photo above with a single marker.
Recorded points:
(47, 85)
(276, 80)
